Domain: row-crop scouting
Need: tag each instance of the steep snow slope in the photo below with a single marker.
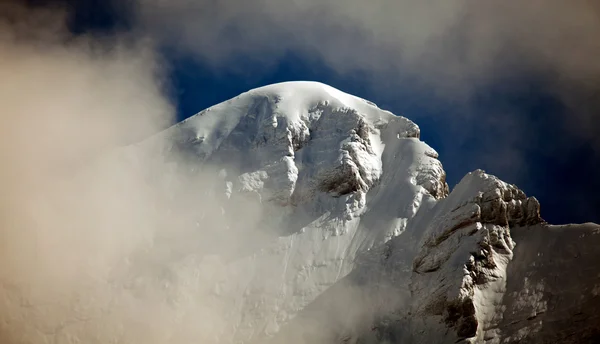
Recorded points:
(356, 238)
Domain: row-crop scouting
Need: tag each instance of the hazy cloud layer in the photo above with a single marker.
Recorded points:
(440, 42)
(81, 224)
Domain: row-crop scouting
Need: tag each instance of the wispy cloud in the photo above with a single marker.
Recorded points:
(440, 42)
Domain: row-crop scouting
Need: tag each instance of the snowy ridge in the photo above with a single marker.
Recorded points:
(353, 201)
(460, 272)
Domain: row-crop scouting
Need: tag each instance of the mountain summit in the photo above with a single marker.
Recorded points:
(356, 238)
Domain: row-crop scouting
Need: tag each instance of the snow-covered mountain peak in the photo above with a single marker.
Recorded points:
(295, 104)
(335, 176)
(295, 95)
(293, 214)
(351, 197)
(290, 141)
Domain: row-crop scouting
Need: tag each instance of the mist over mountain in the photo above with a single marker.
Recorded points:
(297, 212)
(293, 213)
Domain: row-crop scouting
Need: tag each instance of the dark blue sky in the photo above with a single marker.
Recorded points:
(515, 129)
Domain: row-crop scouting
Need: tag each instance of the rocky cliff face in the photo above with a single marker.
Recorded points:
(480, 266)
